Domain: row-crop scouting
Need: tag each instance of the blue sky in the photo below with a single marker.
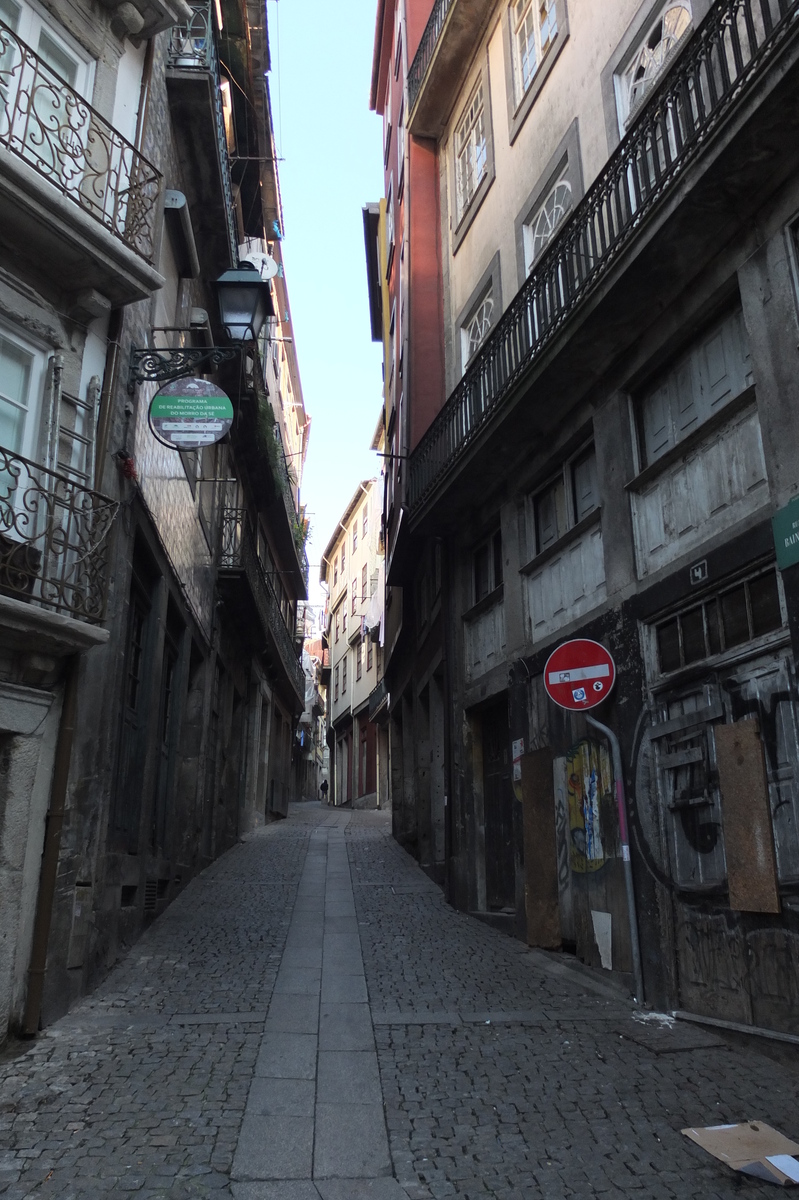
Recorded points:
(330, 145)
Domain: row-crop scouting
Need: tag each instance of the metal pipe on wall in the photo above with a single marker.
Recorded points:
(618, 774)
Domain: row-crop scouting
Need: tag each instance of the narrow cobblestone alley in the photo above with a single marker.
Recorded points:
(235, 1053)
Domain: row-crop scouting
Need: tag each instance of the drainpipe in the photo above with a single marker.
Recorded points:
(625, 853)
(109, 385)
(52, 845)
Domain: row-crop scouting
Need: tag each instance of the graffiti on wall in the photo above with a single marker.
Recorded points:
(589, 791)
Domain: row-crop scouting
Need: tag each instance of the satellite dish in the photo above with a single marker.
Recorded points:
(264, 264)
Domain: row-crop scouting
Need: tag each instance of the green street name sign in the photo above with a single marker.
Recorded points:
(189, 413)
(785, 524)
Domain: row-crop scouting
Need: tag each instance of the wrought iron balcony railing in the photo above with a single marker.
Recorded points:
(53, 535)
(731, 48)
(424, 54)
(240, 553)
(294, 517)
(50, 127)
(192, 47)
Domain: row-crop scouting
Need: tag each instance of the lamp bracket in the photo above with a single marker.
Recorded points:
(157, 366)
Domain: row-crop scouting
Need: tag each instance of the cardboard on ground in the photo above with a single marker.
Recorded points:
(753, 1148)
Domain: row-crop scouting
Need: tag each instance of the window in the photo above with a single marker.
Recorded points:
(354, 596)
(343, 557)
(359, 660)
(22, 376)
(714, 370)
(387, 123)
(363, 582)
(535, 25)
(344, 674)
(335, 571)
(389, 227)
(650, 58)
(335, 694)
(344, 617)
(487, 567)
(401, 149)
(471, 152)
(337, 625)
(355, 536)
(365, 521)
(566, 501)
(52, 131)
(476, 330)
(540, 229)
(732, 618)
(369, 654)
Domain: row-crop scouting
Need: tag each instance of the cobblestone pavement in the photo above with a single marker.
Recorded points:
(504, 1074)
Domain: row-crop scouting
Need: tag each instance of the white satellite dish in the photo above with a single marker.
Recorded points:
(265, 264)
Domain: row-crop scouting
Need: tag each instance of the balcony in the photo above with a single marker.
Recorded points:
(71, 187)
(240, 564)
(260, 448)
(195, 98)
(53, 540)
(713, 141)
(442, 62)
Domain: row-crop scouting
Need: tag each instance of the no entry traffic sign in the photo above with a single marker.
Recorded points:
(579, 674)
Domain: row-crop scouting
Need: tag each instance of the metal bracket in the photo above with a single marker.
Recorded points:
(157, 366)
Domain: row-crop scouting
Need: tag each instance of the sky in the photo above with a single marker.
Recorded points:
(330, 144)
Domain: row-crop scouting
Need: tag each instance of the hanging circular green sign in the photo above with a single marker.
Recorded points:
(188, 413)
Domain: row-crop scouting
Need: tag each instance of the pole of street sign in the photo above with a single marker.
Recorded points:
(625, 853)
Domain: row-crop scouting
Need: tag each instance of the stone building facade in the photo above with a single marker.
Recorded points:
(618, 276)
(351, 570)
(150, 677)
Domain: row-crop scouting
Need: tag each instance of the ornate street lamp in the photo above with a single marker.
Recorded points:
(245, 301)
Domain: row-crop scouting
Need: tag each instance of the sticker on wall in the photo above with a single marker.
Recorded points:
(189, 413)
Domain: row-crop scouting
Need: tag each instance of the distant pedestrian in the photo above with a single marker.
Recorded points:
(323, 789)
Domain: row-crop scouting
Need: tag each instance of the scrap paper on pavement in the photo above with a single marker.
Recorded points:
(753, 1148)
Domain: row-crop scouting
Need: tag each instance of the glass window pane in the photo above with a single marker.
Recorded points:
(61, 61)
(693, 636)
(9, 14)
(734, 618)
(15, 380)
(497, 544)
(713, 630)
(669, 645)
(586, 496)
(764, 600)
(550, 516)
(481, 583)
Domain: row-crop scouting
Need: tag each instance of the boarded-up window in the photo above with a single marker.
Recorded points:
(709, 375)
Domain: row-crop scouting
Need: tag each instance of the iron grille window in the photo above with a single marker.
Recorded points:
(738, 615)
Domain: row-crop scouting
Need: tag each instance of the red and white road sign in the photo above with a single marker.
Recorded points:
(579, 674)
